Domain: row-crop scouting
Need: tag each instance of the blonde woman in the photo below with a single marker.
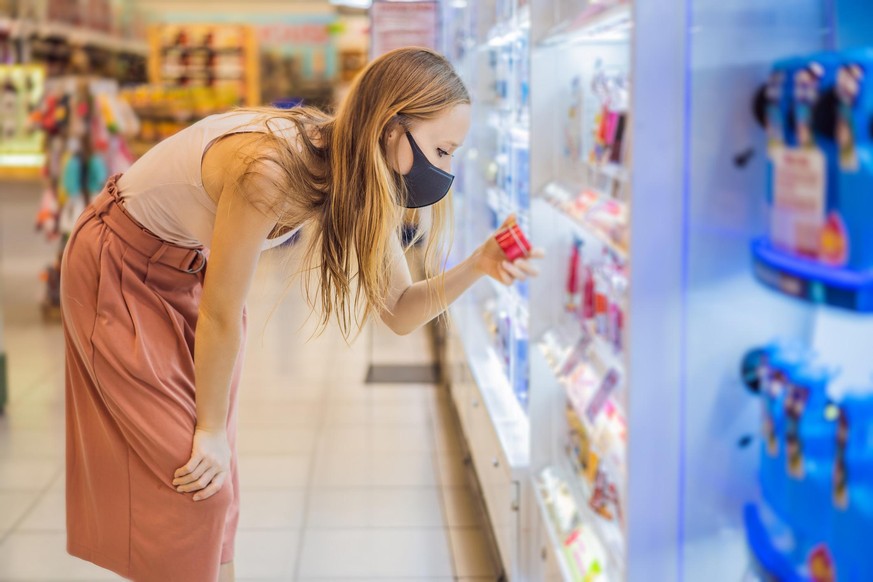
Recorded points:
(152, 480)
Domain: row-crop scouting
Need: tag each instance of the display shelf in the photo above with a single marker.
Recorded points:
(586, 346)
(553, 532)
(509, 419)
(79, 36)
(597, 23)
(560, 198)
(556, 536)
(516, 126)
(605, 541)
(510, 296)
(810, 280)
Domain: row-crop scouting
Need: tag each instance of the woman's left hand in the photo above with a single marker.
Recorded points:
(491, 261)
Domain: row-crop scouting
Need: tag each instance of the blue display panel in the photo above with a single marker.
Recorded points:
(776, 482)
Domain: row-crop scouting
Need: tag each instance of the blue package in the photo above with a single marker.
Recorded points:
(854, 103)
(803, 175)
(851, 494)
(779, 362)
(809, 452)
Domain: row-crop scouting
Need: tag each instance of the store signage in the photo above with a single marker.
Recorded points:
(399, 24)
(288, 33)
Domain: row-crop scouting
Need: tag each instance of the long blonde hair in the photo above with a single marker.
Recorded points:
(341, 179)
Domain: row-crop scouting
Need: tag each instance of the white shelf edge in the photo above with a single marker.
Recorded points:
(75, 34)
(513, 430)
(589, 519)
(554, 540)
(590, 29)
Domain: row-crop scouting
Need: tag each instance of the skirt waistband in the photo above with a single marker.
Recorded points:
(109, 209)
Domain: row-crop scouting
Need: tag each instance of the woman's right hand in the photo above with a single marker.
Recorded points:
(209, 465)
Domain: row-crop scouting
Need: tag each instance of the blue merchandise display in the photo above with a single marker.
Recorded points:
(851, 494)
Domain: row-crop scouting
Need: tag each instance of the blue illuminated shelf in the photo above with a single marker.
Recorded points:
(810, 280)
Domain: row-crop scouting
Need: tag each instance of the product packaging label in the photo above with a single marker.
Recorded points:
(798, 200)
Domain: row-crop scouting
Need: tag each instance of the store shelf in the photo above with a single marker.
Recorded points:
(78, 35)
(517, 128)
(554, 535)
(560, 197)
(612, 171)
(597, 23)
(509, 419)
(608, 534)
(600, 358)
(510, 296)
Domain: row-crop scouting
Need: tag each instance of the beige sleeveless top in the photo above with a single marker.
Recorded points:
(163, 190)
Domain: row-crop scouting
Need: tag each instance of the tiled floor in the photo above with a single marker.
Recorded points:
(341, 481)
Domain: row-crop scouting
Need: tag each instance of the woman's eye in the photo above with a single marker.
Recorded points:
(441, 152)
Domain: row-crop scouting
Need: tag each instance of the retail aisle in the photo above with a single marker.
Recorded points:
(341, 480)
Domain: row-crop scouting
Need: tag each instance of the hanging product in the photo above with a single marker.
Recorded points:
(86, 126)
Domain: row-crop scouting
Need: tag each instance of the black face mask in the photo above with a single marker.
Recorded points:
(425, 183)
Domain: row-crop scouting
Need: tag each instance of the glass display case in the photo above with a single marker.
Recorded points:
(699, 395)
(488, 42)
(581, 173)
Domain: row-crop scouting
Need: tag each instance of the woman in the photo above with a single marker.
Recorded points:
(152, 482)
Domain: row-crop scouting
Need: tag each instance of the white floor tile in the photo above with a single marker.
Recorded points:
(403, 470)
(472, 553)
(375, 508)
(376, 414)
(13, 506)
(269, 413)
(274, 440)
(339, 508)
(376, 553)
(266, 554)
(273, 471)
(18, 442)
(272, 508)
(342, 469)
(48, 514)
(43, 557)
(406, 507)
(387, 439)
(28, 474)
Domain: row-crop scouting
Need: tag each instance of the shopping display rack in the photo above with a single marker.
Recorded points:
(610, 431)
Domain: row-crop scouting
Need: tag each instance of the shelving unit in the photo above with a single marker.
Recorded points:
(639, 129)
(488, 42)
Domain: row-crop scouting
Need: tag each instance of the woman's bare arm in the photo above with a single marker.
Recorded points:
(411, 305)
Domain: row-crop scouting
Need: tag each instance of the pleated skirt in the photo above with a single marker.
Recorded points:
(129, 307)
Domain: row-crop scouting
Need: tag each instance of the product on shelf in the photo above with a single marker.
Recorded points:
(87, 125)
(21, 91)
(582, 553)
(164, 111)
(220, 57)
(816, 471)
(817, 112)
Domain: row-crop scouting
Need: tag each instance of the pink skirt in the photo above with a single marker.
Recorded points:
(129, 304)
